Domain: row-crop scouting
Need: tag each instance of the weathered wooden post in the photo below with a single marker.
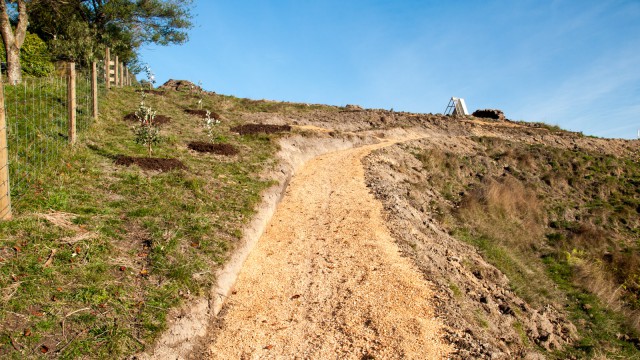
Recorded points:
(71, 100)
(107, 68)
(121, 74)
(94, 89)
(115, 69)
(5, 190)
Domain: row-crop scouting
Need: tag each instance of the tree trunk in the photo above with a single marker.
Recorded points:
(14, 70)
(13, 40)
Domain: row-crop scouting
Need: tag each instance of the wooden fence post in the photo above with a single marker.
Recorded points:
(107, 68)
(5, 191)
(115, 74)
(71, 101)
(94, 89)
(121, 74)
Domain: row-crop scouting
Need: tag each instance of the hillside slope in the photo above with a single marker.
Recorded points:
(529, 233)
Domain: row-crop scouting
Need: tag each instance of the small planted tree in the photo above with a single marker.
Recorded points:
(209, 123)
(147, 131)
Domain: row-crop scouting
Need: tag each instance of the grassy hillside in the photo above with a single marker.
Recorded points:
(562, 223)
(98, 252)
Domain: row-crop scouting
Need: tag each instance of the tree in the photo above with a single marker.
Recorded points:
(13, 40)
(77, 29)
(35, 58)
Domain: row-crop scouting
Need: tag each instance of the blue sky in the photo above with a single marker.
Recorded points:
(573, 63)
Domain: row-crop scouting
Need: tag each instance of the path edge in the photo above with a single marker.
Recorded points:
(190, 323)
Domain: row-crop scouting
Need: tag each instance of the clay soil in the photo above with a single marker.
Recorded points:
(202, 113)
(327, 281)
(260, 128)
(148, 163)
(219, 149)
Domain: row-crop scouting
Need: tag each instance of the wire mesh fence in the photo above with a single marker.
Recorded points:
(36, 113)
(37, 127)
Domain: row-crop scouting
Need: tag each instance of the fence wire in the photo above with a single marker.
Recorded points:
(36, 112)
(37, 125)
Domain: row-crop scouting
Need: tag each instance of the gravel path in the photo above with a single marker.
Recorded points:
(326, 280)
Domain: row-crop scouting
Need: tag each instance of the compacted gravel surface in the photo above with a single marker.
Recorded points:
(326, 280)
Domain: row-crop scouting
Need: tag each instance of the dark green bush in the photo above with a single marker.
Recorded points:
(35, 57)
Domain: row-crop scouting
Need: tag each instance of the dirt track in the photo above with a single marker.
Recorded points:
(326, 280)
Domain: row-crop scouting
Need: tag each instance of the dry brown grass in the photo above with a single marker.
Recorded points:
(505, 210)
(598, 280)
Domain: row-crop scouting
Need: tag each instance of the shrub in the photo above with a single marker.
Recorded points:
(35, 57)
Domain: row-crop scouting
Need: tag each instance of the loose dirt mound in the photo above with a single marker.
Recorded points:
(260, 128)
(158, 119)
(220, 149)
(151, 163)
(202, 113)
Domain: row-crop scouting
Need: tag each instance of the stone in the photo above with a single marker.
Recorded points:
(489, 114)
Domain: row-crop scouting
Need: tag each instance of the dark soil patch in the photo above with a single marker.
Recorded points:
(158, 120)
(153, 92)
(131, 117)
(220, 149)
(150, 163)
(202, 113)
(260, 128)
(161, 119)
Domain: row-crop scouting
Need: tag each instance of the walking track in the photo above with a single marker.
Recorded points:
(326, 280)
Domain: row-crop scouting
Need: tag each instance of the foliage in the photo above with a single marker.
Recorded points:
(209, 124)
(147, 132)
(122, 25)
(78, 43)
(34, 56)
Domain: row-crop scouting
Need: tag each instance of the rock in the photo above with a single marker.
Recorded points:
(179, 85)
(354, 107)
(489, 114)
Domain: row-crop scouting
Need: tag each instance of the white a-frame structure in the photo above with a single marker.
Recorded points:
(456, 107)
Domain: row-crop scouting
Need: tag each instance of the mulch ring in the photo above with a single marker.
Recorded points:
(220, 149)
(202, 113)
(260, 128)
(147, 163)
(158, 119)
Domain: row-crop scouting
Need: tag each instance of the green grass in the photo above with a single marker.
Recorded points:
(37, 126)
(129, 244)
